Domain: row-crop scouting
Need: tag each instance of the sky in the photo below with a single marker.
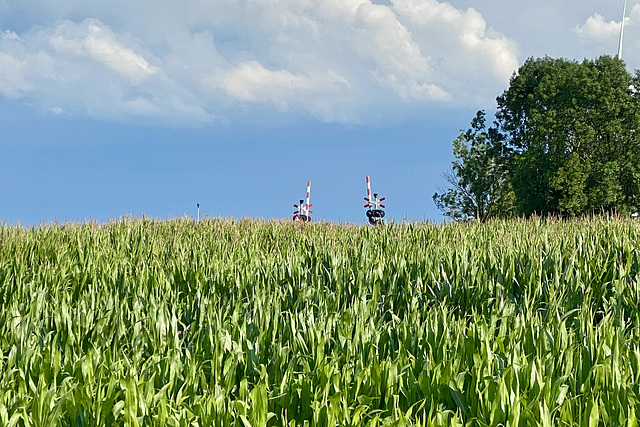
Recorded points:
(150, 107)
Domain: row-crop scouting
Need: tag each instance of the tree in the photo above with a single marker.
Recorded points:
(479, 189)
(572, 133)
(566, 142)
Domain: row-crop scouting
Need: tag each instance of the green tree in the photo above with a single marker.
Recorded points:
(479, 188)
(571, 130)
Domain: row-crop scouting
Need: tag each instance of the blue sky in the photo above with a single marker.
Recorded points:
(149, 107)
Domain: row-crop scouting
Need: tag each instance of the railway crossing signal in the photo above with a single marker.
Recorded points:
(374, 214)
(304, 211)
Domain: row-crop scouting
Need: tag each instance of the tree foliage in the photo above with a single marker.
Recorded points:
(478, 175)
(569, 141)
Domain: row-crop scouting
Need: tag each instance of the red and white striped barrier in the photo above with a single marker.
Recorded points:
(368, 205)
(308, 206)
(372, 202)
(304, 209)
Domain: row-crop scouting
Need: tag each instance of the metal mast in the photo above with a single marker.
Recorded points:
(624, 12)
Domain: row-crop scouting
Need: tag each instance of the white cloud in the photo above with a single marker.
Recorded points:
(462, 51)
(87, 69)
(597, 27)
(325, 96)
(9, 35)
(251, 82)
(194, 61)
(94, 41)
(12, 81)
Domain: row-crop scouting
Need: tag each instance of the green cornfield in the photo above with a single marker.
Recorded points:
(142, 322)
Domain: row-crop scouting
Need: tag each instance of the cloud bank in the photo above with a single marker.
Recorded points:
(193, 62)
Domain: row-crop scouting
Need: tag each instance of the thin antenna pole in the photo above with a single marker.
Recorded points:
(308, 196)
(624, 12)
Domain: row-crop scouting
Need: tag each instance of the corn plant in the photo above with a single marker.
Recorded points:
(144, 322)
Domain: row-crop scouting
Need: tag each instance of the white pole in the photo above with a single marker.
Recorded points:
(198, 220)
(307, 207)
(624, 12)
